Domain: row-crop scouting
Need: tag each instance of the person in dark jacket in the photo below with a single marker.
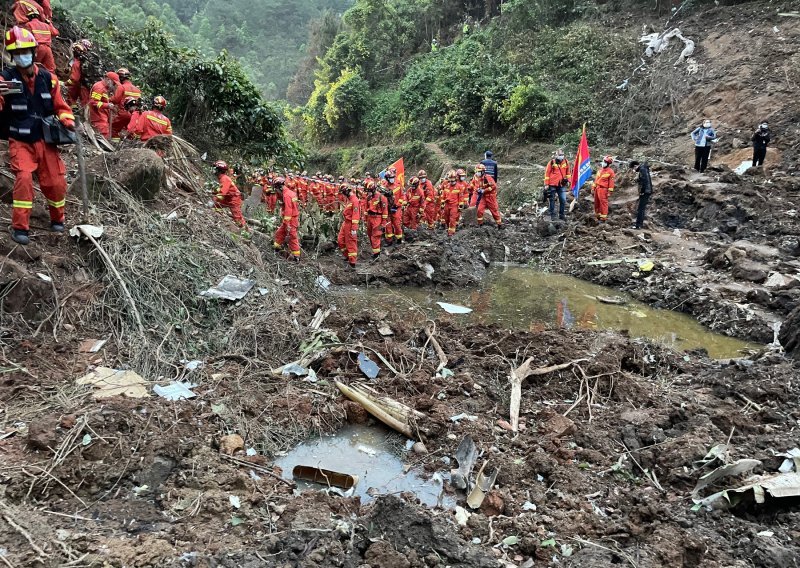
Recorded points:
(645, 190)
(491, 165)
(761, 139)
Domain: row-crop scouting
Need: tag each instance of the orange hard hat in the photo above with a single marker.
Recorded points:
(160, 102)
(221, 165)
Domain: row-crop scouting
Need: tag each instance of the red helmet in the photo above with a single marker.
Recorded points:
(130, 101)
(159, 102)
(422, 174)
(78, 48)
(392, 171)
(87, 45)
(113, 76)
(452, 175)
(19, 38)
(480, 168)
(280, 180)
(371, 185)
(608, 160)
(221, 166)
(461, 172)
(414, 181)
(123, 72)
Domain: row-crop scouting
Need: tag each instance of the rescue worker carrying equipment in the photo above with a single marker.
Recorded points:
(228, 195)
(44, 32)
(26, 109)
(415, 197)
(556, 181)
(290, 215)
(78, 83)
(452, 201)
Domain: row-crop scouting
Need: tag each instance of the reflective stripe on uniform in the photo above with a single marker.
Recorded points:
(19, 204)
(134, 94)
(56, 204)
(158, 120)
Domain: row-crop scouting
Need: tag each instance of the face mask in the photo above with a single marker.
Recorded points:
(23, 60)
(605, 164)
(423, 180)
(764, 127)
(463, 178)
(706, 125)
(479, 174)
(390, 179)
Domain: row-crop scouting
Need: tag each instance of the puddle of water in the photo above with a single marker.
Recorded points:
(371, 453)
(523, 298)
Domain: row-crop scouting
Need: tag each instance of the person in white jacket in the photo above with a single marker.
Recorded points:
(704, 138)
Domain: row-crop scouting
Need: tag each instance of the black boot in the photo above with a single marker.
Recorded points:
(20, 236)
(57, 227)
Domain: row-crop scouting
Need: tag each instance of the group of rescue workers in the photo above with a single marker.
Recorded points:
(30, 96)
(383, 205)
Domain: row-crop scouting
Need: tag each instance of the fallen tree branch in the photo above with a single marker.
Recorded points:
(113, 268)
(258, 468)
(7, 516)
(436, 347)
(519, 375)
(372, 407)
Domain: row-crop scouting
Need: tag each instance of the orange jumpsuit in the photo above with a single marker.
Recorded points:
(429, 211)
(602, 188)
(453, 196)
(77, 91)
(302, 189)
(416, 199)
(153, 123)
(134, 124)
(394, 226)
(99, 109)
(348, 242)
(287, 232)
(484, 194)
(28, 152)
(268, 196)
(123, 117)
(228, 196)
(44, 34)
(22, 8)
(377, 217)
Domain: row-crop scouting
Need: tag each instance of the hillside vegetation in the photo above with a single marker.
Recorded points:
(268, 36)
(529, 69)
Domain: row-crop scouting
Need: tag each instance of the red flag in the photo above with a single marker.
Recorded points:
(583, 166)
(401, 172)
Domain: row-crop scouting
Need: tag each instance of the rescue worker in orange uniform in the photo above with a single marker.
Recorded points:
(603, 188)
(228, 195)
(154, 122)
(269, 197)
(78, 83)
(465, 187)
(452, 202)
(100, 105)
(484, 195)
(377, 216)
(394, 228)
(302, 187)
(556, 181)
(290, 218)
(348, 233)
(429, 199)
(44, 32)
(29, 154)
(22, 8)
(415, 197)
(128, 90)
(133, 107)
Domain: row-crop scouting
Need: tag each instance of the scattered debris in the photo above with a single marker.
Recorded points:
(115, 382)
(86, 231)
(324, 476)
(419, 448)
(91, 345)
(323, 283)
(615, 300)
(454, 309)
(385, 330)
(728, 470)
(466, 455)
(462, 516)
(44, 277)
(175, 391)
(521, 373)
(483, 484)
(235, 501)
(463, 416)
(230, 288)
(368, 366)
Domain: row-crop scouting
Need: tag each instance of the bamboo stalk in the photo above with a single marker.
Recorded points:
(375, 410)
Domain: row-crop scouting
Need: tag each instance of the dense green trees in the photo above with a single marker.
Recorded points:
(268, 36)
